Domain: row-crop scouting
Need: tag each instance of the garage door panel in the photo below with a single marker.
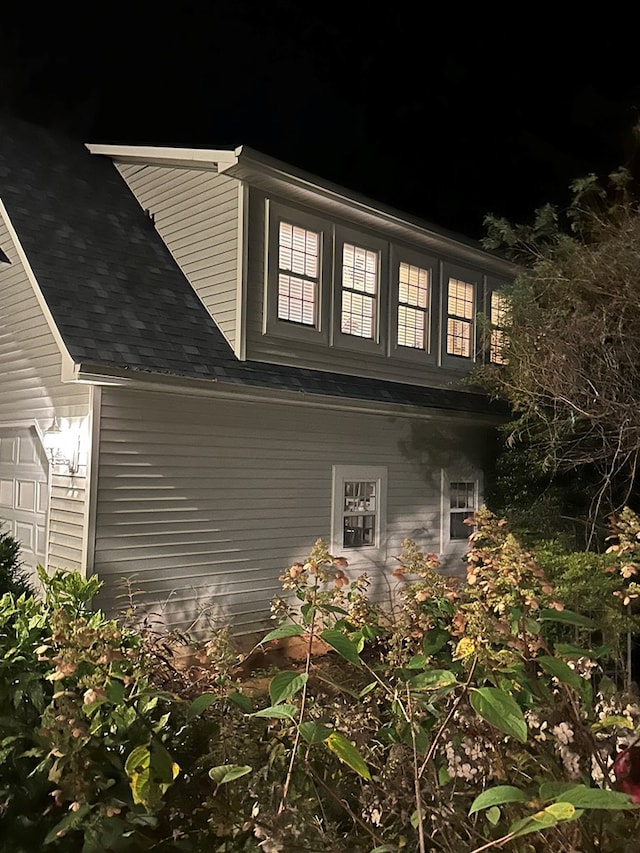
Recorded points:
(6, 493)
(26, 495)
(24, 492)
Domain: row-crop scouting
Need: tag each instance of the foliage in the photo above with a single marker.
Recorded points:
(572, 371)
(463, 720)
(12, 576)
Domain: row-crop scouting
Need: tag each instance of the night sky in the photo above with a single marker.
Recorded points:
(447, 115)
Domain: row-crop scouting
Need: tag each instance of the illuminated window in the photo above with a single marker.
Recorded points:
(498, 317)
(359, 513)
(460, 309)
(413, 306)
(359, 494)
(462, 498)
(359, 291)
(298, 274)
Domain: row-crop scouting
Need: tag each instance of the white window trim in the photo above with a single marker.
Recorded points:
(447, 477)
(363, 240)
(275, 212)
(400, 254)
(342, 474)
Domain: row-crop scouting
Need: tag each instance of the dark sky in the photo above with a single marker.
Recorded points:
(445, 114)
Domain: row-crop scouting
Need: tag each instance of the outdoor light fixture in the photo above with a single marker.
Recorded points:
(61, 446)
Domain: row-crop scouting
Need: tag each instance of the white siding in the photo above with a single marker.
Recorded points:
(197, 215)
(30, 387)
(203, 503)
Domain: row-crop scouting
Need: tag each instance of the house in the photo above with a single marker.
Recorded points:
(209, 359)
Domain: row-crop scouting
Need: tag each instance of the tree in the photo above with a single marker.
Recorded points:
(571, 370)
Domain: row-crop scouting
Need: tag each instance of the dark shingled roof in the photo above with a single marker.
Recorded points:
(118, 297)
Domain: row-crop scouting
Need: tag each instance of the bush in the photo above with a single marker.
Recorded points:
(12, 577)
(464, 721)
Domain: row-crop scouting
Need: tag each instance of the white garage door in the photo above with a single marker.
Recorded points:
(24, 492)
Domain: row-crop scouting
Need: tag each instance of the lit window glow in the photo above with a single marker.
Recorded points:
(298, 274)
(460, 317)
(413, 301)
(359, 291)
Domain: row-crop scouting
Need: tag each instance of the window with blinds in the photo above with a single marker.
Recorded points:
(460, 311)
(298, 274)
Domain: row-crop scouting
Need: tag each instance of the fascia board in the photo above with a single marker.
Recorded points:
(250, 164)
(202, 158)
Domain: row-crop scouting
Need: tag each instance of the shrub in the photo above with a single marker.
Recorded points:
(12, 577)
(464, 721)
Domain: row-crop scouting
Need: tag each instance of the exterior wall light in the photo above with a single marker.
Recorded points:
(61, 446)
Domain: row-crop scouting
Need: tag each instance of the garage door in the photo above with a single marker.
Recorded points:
(24, 491)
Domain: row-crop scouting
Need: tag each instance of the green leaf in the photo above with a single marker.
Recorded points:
(443, 776)
(538, 822)
(286, 684)
(277, 712)
(614, 721)
(498, 796)
(224, 773)
(347, 752)
(314, 732)
(199, 705)
(70, 821)
(499, 709)
(434, 640)
(493, 815)
(432, 679)
(243, 702)
(555, 790)
(417, 662)
(342, 645)
(282, 632)
(567, 617)
(582, 797)
(569, 651)
(561, 670)
(369, 687)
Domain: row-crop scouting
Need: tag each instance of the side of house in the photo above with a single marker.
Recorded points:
(47, 514)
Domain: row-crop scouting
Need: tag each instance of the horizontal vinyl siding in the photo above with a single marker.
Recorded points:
(30, 387)
(203, 503)
(196, 214)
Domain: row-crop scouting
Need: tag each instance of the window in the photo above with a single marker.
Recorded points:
(413, 306)
(298, 273)
(360, 273)
(359, 494)
(460, 315)
(498, 313)
(462, 503)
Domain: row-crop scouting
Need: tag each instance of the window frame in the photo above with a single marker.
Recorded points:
(369, 242)
(475, 279)
(400, 254)
(275, 213)
(448, 479)
(342, 474)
